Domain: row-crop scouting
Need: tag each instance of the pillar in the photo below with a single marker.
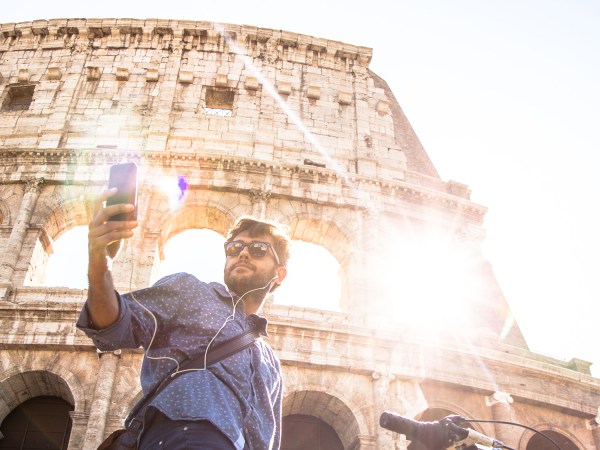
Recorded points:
(259, 200)
(381, 395)
(367, 291)
(33, 186)
(79, 422)
(100, 408)
(596, 430)
(161, 96)
(501, 410)
(364, 443)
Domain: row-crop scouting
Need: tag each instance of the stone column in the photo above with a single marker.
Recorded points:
(33, 186)
(99, 410)
(148, 260)
(501, 410)
(381, 394)
(596, 430)
(161, 95)
(365, 443)
(367, 291)
(79, 422)
(259, 200)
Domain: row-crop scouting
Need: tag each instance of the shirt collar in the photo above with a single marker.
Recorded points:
(258, 322)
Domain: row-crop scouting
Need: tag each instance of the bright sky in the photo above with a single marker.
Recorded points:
(505, 97)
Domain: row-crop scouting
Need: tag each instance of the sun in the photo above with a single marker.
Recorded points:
(428, 281)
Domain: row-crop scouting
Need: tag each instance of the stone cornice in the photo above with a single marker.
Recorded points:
(413, 360)
(174, 35)
(392, 189)
(298, 337)
(358, 349)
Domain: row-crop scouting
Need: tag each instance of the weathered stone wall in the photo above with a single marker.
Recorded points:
(308, 136)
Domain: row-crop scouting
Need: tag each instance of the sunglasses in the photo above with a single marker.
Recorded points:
(257, 249)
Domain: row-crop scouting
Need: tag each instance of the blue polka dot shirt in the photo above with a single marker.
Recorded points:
(241, 395)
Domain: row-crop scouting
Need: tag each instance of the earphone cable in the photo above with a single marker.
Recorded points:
(227, 320)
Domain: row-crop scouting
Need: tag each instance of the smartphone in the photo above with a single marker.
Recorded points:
(124, 178)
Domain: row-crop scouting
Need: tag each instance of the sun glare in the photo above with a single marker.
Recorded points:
(426, 282)
(174, 188)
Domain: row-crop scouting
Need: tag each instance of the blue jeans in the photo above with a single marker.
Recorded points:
(163, 433)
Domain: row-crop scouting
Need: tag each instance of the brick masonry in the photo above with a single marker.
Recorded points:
(303, 133)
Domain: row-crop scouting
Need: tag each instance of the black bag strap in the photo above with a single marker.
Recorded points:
(215, 355)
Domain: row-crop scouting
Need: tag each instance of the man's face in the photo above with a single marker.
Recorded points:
(244, 272)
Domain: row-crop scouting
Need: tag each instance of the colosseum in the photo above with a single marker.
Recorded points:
(282, 126)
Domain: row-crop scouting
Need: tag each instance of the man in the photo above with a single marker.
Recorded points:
(233, 404)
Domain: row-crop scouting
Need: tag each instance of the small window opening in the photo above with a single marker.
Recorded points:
(18, 98)
(219, 101)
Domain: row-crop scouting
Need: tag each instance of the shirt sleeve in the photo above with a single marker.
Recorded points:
(120, 334)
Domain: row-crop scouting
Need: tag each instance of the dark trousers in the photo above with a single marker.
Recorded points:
(160, 432)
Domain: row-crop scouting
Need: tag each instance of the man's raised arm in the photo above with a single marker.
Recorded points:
(104, 242)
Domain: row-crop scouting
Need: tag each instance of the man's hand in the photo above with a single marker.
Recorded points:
(106, 236)
(104, 242)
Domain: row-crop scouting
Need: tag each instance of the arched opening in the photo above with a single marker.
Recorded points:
(67, 266)
(539, 442)
(334, 242)
(39, 423)
(313, 278)
(313, 272)
(304, 432)
(196, 251)
(311, 410)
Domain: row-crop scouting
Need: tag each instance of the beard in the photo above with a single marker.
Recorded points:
(259, 283)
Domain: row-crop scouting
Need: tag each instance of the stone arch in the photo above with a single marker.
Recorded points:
(329, 233)
(451, 409)
(20, 384)
(58, 216)
(332, 235)
(328, 408)
(445, 405)
(55, 217)
(195, 215)
(545, 427)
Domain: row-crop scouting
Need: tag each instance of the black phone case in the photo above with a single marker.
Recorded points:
(124, 178)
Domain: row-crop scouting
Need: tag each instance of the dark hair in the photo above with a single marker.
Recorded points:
(255, 227)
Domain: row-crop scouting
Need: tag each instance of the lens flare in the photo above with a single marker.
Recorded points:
(292, 116)
(175, 189)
